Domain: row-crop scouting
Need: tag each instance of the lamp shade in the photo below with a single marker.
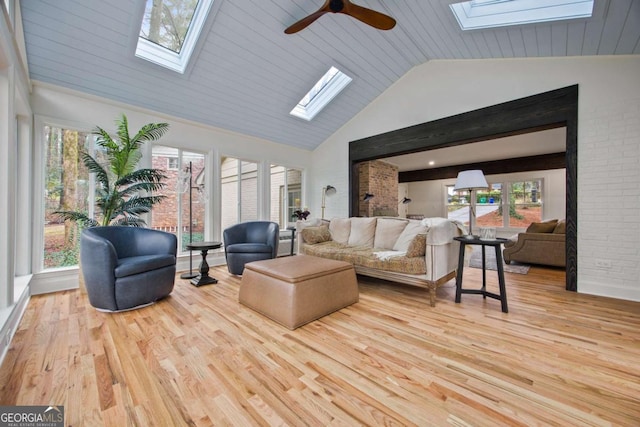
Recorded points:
(470, 180)
(330, 190)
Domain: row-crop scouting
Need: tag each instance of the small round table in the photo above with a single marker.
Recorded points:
(203, 278)
(496, 243)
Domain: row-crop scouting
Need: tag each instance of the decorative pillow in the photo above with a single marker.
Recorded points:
(542, 227)
(418, 246)
(561, 227)
(410, 231)
(387, 232)
(363, 231)
(313, 235)
(340, 228)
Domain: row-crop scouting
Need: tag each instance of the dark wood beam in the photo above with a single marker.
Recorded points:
(519, 164)
(556, 108)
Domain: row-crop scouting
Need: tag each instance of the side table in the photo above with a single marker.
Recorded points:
(293, 238)
(496, 243)
(203, 278)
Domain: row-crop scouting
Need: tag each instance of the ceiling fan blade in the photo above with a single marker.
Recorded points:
(306, 21)
(371, 17)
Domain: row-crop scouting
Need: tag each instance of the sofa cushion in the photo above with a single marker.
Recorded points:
(418, 246)
(561, 227)
(387, 232)
(412, 229)
(340, 228)
(313, 235)
(363, 230)
(542, 227)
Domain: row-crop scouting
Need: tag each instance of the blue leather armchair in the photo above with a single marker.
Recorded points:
(250, 241)
(127, 267)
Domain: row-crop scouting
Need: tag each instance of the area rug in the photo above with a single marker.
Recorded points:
(476, 261)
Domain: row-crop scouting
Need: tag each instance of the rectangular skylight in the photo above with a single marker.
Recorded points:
(477, 14)
(325, 89)
(170, 30)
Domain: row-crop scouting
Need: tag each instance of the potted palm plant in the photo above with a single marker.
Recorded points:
(123, 193)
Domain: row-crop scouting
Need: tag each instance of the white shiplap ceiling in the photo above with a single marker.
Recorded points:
(246, 74)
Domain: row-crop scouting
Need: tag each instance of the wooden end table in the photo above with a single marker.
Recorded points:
(203, 278)
(496, 243)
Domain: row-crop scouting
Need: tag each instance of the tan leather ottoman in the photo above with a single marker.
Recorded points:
(296, 290)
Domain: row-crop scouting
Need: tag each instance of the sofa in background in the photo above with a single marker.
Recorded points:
(542, 243)
(127, 267)
(415, 252)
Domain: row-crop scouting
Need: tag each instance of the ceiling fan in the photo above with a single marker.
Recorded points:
(370, 17)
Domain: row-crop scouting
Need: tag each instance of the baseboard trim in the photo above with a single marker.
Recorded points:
(10, 325)
(604, 290)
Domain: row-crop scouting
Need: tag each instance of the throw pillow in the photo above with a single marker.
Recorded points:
(542, 227)
(313, 235)
(410, 231)
(362, 232)
(418, 246)
(561, 227)
(340, 228)
(387, 232)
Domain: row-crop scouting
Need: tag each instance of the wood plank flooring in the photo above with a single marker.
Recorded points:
(200, 358)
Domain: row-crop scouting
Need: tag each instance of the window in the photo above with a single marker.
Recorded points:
(183, 210)
(173, 163)
(170, 30)
(477, 14)
(286, 194)
(521, 199)
(239, 191)
(68, 187)
(325, 89)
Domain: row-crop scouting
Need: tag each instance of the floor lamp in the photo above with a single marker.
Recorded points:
(190, 274)
(470, 181)
(328, 190)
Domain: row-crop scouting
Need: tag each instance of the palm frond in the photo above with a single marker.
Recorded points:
(135, 189)
(134, 204)
(128, 221)
(123, 131)
(150, 132)
(104, 139)
(78, 217)
(141, 175)
(94, 167)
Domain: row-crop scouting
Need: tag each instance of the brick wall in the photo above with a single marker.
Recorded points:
(609, 199)
(380, 179)
(165, 214)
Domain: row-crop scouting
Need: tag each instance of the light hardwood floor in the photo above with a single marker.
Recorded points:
(200, 358)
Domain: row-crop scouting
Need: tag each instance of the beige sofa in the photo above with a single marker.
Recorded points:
(543, 243)
(415, 252)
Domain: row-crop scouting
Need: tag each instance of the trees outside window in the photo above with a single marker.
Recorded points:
(523, 200)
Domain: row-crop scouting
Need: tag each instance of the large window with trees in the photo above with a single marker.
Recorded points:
(68, 187)
(521, 200)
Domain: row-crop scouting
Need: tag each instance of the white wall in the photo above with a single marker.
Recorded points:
(608, 139)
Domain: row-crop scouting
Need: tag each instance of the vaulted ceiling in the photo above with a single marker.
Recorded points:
(246, 74)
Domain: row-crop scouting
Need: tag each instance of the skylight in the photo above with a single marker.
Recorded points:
(325, 89)
(170, 30)
(477, 14)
